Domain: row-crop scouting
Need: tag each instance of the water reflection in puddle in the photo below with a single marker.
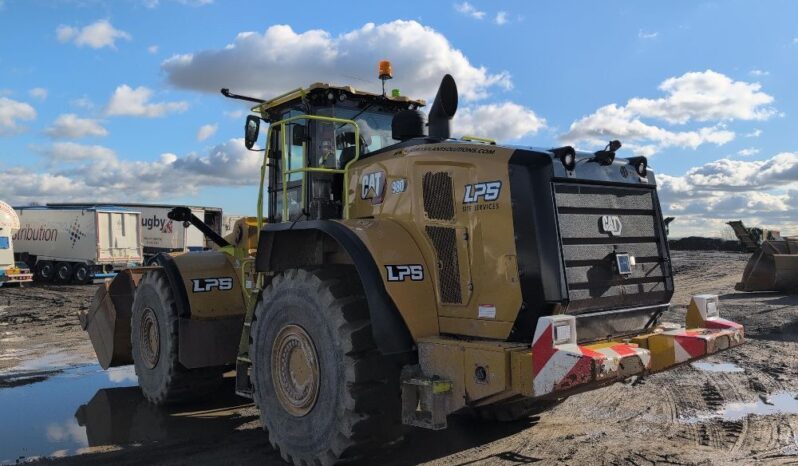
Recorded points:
(779, 403)
(85, 407)
(717, 366)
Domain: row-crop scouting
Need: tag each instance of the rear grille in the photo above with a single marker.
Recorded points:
(588, 251)
(444, 240)
(438, 196)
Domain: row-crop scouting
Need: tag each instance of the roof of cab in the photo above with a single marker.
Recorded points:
(301, 92)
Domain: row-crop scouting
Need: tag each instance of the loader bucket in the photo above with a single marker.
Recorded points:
(773, 267)
(108, 319)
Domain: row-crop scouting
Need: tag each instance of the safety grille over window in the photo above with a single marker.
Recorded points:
(438, 196)
(444, 240)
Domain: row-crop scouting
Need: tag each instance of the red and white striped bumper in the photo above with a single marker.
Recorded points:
(560, 364)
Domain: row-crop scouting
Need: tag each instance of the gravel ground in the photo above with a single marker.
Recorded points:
(687, 415)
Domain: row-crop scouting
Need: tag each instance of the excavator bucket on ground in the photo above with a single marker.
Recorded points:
(772, 267)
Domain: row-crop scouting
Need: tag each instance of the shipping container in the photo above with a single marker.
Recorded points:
(11, 271)
(77, 243)
(161, 234)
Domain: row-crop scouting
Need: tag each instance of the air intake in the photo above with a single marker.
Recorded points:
(438, 196)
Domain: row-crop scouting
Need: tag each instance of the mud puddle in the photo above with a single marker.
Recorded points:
(80, 408)
(783, 403)
(727, 367)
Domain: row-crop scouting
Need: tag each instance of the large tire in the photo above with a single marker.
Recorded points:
(324, 391)
(154, 337)
(44, 271)
(63, 272)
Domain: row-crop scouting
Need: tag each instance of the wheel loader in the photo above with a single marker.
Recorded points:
(773, 265)
(395, 275)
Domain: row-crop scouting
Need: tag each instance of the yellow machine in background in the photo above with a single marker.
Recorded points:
(395, 275)
(773, 265)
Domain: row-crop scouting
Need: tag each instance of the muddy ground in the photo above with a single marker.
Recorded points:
(690, 415)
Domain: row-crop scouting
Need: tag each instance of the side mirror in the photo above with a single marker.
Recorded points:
(251, 131)
(298, 135)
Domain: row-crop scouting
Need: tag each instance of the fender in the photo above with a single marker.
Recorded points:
(364, 241)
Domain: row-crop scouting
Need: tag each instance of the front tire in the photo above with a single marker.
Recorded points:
(324, 390)
(154, 337)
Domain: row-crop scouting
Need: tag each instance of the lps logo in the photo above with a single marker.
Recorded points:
(611, 224)
(372, 186)
(488, 191)
(202, 285)
(400, 273)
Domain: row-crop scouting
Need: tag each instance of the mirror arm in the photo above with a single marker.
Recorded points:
(226, 92)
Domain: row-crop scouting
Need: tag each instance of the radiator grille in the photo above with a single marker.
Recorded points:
(589, 251)
(444, 240)
(438, 196)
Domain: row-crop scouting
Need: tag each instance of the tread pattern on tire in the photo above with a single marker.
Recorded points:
(370, 415)
(180, 384)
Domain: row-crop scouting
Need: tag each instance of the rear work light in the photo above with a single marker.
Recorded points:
(567, 156)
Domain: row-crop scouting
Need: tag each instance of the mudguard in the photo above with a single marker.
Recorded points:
(392, 270)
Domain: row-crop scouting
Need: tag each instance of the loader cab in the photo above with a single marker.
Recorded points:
(314, 135)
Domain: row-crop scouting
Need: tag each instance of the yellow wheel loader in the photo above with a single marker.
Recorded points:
(773, 265)
(399, 275)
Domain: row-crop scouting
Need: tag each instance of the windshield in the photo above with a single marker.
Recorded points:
(375, 127)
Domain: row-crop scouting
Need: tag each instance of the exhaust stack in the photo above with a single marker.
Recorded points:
(443, 109)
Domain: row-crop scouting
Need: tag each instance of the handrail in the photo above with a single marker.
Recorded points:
(479, 139)
(286, 173)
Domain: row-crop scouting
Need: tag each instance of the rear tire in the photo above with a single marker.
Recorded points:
(324, 390)
(44, 271)
(63, 272)
(82, 274)
(154, 337)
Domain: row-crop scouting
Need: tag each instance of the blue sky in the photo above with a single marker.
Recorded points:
(118, 100)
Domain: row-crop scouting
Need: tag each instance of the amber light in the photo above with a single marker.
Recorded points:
(385, 70)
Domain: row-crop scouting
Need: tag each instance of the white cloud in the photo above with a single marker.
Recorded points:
(501, 18)
(96, 174)
(756, 72)
(11, 113)
(469, 10)
(97, 35)
(753, 134)
(82, 102)
(502, 121)
(206, 131)
(73, 152)
(235, 114)
(38, 93)
(153, 49)
(747, 152)
(695, 96)
(763, 192)
(70, 125)
(279, 59)
(641, 34)
(136, 102)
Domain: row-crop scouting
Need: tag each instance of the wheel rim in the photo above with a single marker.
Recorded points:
(150, 338)
(295, 370)
(80, 274)
(47, 271)
(63, 273)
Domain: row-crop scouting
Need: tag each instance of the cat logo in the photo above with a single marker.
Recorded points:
(372, 186)
(611, 224)
(203, 285)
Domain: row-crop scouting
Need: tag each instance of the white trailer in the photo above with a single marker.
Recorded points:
(161, 234)
(229, 223)
(77, 243)
(10, 270)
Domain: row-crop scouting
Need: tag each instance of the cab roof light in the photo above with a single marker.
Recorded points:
(567, 156)
(640, 165)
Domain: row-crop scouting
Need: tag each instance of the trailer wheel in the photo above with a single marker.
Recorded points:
(323, 389)
(44, 271)
(82, 274)
(154, 337)
(63, 272)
